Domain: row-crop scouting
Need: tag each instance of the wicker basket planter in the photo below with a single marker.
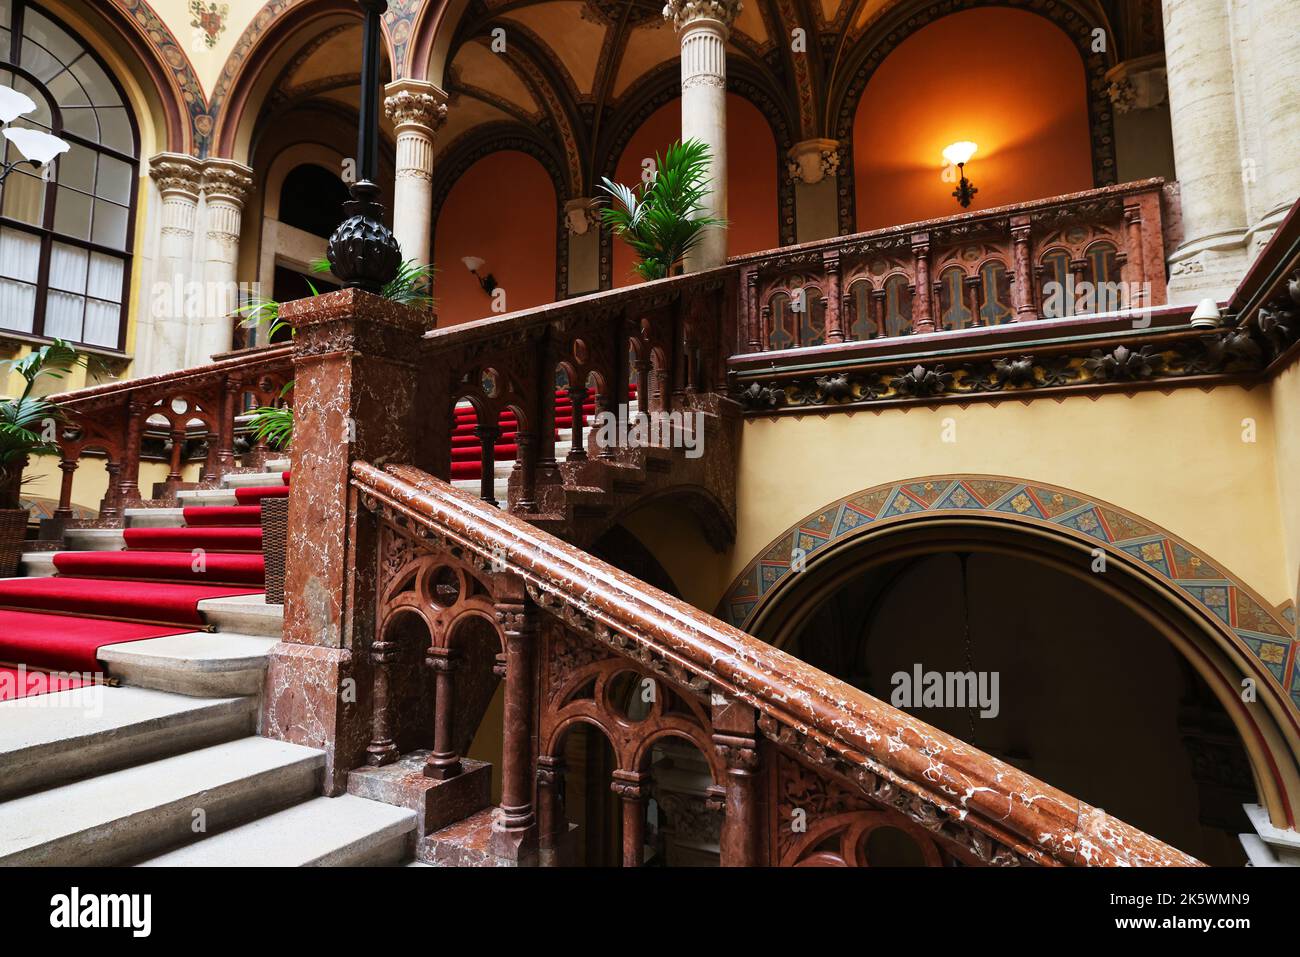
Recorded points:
(13, 532)
(275, 533)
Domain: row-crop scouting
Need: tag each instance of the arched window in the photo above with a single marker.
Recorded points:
(65, 239)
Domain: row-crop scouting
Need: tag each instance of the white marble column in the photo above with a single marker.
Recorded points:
(417, 110)
(1274, 45)
(814, 166)
(1207, 154)
(704, 26)
(226, 185)
(160, 342)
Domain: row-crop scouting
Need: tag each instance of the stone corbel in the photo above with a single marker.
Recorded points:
(580, 215)
(813, 160)
(1138, 84)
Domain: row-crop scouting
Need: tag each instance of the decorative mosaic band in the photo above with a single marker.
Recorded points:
(1269, 636)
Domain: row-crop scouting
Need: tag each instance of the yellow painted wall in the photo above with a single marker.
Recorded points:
(1178, 460)
(1286, 412)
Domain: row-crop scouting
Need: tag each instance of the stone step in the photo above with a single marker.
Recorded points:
(344, 831)
(199, 497)
(279, 465)
(466, 843)
(199, 663)
(37, 564)
(244, 615)
(68, 735)
(154, 517)
(253, 479)
(94, 539)
(138, 812)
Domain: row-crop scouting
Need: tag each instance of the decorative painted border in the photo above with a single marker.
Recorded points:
(1270, 637)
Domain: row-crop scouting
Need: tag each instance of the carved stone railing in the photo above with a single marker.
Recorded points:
(1088, 252)
(784, 742)
(195, 410)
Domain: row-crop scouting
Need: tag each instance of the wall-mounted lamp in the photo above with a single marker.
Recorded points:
(477, 266)
(37, 147)
(958, 155)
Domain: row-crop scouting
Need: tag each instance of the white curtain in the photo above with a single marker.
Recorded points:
(104, 311)
(20, 260)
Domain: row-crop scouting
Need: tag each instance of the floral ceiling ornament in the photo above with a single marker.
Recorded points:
(211, 19)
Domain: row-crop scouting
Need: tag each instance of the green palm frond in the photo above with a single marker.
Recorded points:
(663, 218)
(29, 424)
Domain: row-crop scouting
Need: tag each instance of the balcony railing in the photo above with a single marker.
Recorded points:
(1090, 252)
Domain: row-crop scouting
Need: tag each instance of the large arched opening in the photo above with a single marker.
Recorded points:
(1009, 80)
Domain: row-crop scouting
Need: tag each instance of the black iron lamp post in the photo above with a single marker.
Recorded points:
(363, 252)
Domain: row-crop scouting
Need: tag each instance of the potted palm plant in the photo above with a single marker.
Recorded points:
(28, 426)
(663, 218)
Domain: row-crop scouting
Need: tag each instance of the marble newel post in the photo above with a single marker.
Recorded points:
(704, 26)
(418, 110)
(355, 366)
(180, 180)
(226, 185)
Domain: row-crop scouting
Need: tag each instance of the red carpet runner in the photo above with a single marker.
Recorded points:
(150, 589)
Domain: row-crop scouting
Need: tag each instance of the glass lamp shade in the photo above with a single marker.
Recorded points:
(14, 104)
(959, 154)
(35, 145)
(474, 263)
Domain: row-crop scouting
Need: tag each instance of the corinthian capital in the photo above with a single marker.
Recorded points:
(415, 103)
(177, 173)
(685, 12)
(227, 180)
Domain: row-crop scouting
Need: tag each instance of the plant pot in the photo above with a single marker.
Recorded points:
(275, 535)
(13, 532)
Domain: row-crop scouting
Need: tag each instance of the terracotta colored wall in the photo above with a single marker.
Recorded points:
(504, 210)
(1006, 79)
(751, 176)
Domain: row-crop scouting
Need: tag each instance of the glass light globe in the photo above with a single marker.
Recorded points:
(36, 145)
(960, 153)
(14, 104)
(473, 263)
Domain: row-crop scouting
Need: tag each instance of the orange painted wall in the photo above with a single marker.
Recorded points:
(751, 176)
(1006, 79)
(504, 210)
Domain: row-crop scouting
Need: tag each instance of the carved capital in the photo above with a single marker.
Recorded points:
(813, 160)
(177, 175)
(412, 104)
(227, 181)
(580, 215)
(1138, 84)
(682, 13)
(630, 785)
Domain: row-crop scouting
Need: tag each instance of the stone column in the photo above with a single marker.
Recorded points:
(417, 110)
(633, 790)
(704, 26)
(1203, 116)
(735, 730)
(1274, 39)
(582, 223)
(514, 829)
(180, 180)
(226, 184)
(814, 166)
(356, 369)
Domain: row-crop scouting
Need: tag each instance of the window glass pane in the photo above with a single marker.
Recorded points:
(67, 91)
(77, 168)
(55, 39)
(20, 255)
(116, 130)
(6, 17)
(24, 198)
(106, 277)
(114, 181)
(82, 121)
(39, 60)
(72, 213)
(110, 225)
(63, 313)
(68, 266)
(102, 321)
(41, 116)
(96, 82)
(17, 305)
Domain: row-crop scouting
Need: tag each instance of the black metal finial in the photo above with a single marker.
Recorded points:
(363, 252)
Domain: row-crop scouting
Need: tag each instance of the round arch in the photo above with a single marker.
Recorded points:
(1221, 626)
(1076, 18)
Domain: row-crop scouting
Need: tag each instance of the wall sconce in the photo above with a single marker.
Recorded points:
(476, 265)
(958, 155)
(37, 147)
